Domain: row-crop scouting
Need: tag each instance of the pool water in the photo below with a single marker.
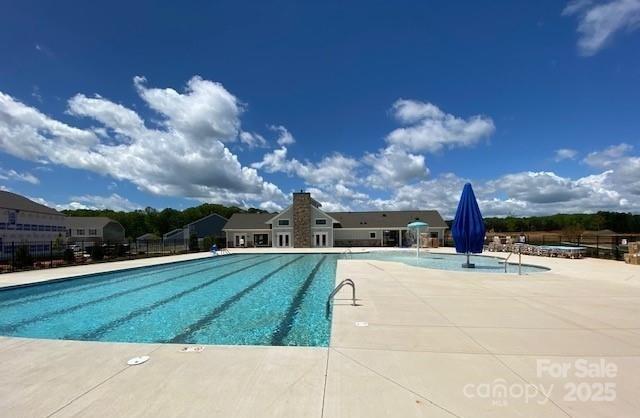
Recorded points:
(483, 264)
(259, 299)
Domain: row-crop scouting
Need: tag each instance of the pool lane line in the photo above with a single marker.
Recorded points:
(282, 331)
(13, 327)
(113, 280)
(207, 319)
(140, 311)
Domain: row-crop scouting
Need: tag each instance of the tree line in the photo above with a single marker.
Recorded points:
(140, 222)
(622, 223)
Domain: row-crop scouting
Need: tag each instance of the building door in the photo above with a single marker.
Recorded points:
(321, 239)
(284, 239)
(240, 240)
(261, 240)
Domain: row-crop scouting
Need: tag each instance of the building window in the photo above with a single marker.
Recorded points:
(433, 234)
(93, 232)
(372, 235)
(283, 222)
(79, 231)
(12, 218)
(321, 221)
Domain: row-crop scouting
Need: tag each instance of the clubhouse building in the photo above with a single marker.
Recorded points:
(305, 225)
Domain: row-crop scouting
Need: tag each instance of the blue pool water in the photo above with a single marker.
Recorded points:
(484, 264)
(260, 299)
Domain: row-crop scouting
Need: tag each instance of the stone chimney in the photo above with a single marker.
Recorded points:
(302, 220)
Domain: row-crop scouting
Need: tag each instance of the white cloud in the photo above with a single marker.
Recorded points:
(92, 202)
(284, 136)
(329, 201)
(253, 140)
(185, 156)
(565, 154)
(205, 111)
(331, 169)
(609, 156)
(599, 22)
(429, 129)
(623, 168)
(392, 166)
(17, 176)
(271, 206)
(539, 187)
(114, 202)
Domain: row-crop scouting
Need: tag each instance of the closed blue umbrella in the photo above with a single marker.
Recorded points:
(468, 226)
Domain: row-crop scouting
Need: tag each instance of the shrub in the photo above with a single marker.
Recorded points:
(121, 250)
(69, 256)
(97, 252)
(23, 257)
(193, 243)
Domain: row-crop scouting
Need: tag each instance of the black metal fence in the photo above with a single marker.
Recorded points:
(612, 247)
(16, 256)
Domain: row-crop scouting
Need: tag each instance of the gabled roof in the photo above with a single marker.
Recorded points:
(206, 217)
(97, 222)
(174, 232)
(381, 219)
(388, 219)
(274, 216)
(248, 221)
(10, 200)
(147, 237)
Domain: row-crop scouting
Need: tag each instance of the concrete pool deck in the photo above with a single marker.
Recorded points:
(435, 342)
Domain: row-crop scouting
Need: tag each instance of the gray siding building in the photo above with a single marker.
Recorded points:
(304, 224)
(24, 221)
(91, 229)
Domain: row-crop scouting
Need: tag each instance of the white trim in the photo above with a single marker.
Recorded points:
(270, 221)
(276, 243)
(247, 229)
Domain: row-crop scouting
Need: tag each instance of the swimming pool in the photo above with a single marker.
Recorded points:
(260, 299)
(484, 264)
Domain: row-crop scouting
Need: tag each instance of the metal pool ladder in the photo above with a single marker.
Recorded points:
(347, 253)
(519, 262)
(345, 282)
(224, 251)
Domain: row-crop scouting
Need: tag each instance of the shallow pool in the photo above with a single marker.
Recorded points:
(483, 264)
(259, 299)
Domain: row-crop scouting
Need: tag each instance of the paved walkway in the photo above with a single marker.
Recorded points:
(437, 343)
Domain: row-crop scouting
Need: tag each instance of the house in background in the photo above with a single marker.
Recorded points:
(304, 224)
(177, 235)
(146, 238)
(208, 226)
(22, 220)
(92, 229)
(249, 229)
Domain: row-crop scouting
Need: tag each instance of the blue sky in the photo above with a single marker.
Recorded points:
(369, 105)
